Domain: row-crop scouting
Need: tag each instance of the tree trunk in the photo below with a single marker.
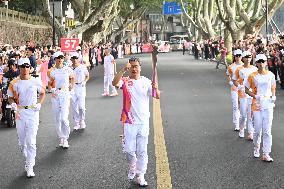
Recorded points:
(238, 34)
(228, 40)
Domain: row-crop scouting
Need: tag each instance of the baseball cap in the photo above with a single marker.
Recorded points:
(260, 57)
(238, 51)
(22, 61)
(246, 53)
(74, 55)
(58, 54)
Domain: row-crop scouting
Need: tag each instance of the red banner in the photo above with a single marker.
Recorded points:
(69, 44)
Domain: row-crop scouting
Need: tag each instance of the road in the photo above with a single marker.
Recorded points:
(201, 147)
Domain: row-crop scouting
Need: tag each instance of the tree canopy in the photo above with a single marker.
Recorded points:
(234, 17)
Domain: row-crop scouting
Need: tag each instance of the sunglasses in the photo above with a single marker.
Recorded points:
(25, 66)
(247, 57)
(238, 55)
(260, 61)
(74, 57)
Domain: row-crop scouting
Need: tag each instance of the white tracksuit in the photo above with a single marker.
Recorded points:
(78, 95)
(136, 133)
(234, 96)
(262, 84)
(61, 101)
(109, 74)
(28, 119)
(241, 76)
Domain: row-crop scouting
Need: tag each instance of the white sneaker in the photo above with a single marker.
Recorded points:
(131, 173)
(141, 181)
(77, 127)
(114, 94)
(242, 133)
(237, 129)
(61, 142)
(105, 94)
(266, 158)
(256, 152)
(82, 125)
(30, 172)
(65, 144)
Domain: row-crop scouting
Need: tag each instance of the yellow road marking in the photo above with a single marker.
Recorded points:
(162, 164)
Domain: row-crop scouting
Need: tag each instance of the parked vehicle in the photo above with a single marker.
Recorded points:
(176, 41)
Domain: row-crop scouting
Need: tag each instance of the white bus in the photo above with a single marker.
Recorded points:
(176, 41)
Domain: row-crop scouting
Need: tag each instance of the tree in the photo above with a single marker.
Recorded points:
(201, 15)
(29, 6)
(128, 16)
(243, 17)
(97, 16)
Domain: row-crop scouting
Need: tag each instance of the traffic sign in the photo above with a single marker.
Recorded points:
(69, 22)
(69, 44)
(172, 8)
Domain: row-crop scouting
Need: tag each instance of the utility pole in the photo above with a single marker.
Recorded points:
(267, 32)
(53, 24)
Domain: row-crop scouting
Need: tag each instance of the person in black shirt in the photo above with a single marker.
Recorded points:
(91, 55)
(32, 58)
(8, 76)
(13, 72)
(281, 67)
(51, 59)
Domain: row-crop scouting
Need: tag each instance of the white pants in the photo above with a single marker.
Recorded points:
(246, 117)
(27, 126)
(60, 107)
(120, 53)
(262, 125)
(78, 99)
(108, 83)
(235, 107)
(136, 141)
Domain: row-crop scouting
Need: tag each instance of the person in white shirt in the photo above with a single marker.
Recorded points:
(234, 90)
(135, 116)
(109, 72)
(61, 82)
(120, 50)
(78, 95)
(79, 51)
(22, 94)
(261, 86)
(239, 79)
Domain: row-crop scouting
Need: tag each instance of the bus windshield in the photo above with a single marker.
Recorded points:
(175, 40)
(178, 39)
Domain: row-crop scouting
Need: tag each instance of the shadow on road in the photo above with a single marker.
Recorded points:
(21, 182)
(3, 126)
(75, 135)
(53, 159)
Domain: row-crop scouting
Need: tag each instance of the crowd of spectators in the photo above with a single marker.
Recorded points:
(215, 50)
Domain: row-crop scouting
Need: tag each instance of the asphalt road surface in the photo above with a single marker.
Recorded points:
(203, 151)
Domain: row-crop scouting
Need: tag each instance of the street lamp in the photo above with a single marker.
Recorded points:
(53, 24)
(267, 32)
(132, 25)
